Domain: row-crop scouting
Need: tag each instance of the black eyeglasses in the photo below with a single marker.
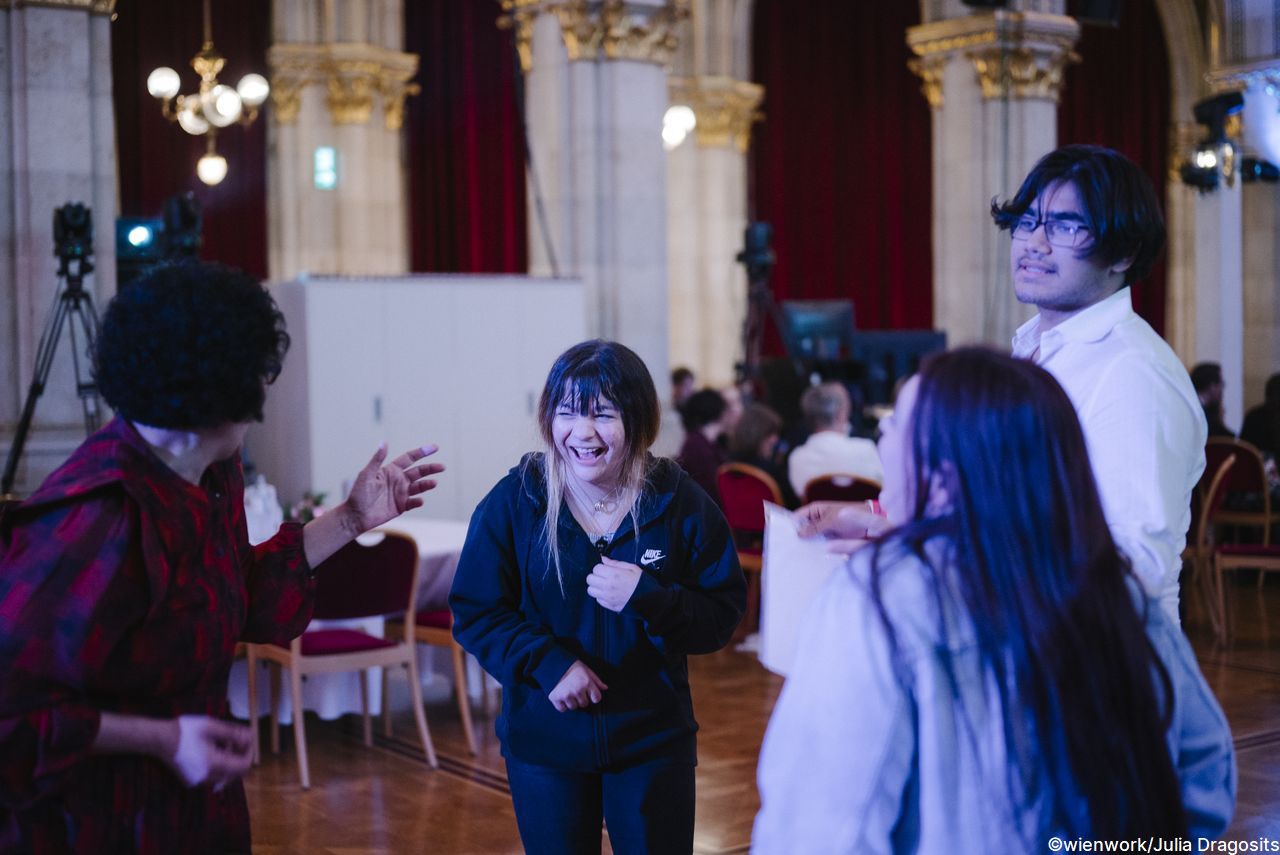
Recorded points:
(1064, 233)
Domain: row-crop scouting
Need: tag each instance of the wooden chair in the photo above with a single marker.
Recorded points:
(1262, 557)
(355, 582)
(743, 491)
(435, 627)
(1248, 478)
(251, 680)
(840, 487)
(1206, 498)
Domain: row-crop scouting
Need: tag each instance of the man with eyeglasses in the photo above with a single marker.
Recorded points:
(1086, 225)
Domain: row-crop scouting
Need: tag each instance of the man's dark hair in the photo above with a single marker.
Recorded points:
(702, 408)
(1120, 205)
(1205, 374)
(680, 375)
(190, 345)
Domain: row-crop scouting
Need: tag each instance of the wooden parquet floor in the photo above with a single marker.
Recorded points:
(385, 799)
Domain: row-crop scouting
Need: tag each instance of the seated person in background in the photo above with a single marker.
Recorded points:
(956, 689)
(682, 386)
(733, 405)
(829, 449)
(127, 579)
(1206, 378)
(701, 454)
(1262, 424)
(754, 440)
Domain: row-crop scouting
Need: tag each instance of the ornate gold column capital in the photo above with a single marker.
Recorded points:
(725, 108)
(929, 69)
(353, 74)
(1240, 77)
(520, 15)
(93, 7)
(642, 33)
(1014, 54)
(614, 29)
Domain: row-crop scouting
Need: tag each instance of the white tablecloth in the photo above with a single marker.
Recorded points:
(333, 695)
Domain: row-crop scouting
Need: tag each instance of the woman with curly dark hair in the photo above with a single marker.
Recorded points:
(127, 579)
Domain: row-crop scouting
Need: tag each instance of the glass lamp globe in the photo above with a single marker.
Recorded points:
(221, 106)
(163, 83)
(211, 168)
(191, 121)
(253, 89)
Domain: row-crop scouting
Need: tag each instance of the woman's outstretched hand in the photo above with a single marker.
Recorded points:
(383, 491)
(847, 525)
(578, 689)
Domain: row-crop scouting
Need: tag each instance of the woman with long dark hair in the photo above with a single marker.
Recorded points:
(989, 675)
(589, 573)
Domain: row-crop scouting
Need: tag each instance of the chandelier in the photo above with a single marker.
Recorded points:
(213, 107)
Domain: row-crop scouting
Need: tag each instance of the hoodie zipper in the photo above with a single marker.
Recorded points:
(597, 710)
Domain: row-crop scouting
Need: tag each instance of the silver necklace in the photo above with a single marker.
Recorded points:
(606, 507)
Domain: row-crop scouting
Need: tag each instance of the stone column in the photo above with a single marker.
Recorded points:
(596, 91)
(992, 80)
(339, 80)
(57, 145)
(707, 189)
(1235, 308)
(1220, 292)
(707, 207)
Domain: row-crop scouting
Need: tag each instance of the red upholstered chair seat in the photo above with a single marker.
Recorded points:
(439, 618)
(358, 581)
(333, 642)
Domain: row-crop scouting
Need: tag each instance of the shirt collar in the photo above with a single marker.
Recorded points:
(1091, 323)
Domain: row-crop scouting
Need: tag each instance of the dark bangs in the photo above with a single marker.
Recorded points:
(1120, 204)
(596, 369)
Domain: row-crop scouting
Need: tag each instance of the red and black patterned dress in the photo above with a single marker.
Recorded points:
(125, 588)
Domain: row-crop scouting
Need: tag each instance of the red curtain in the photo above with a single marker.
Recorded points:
(156, 158)
(1118, 96)
(466, 141)
(841, 164)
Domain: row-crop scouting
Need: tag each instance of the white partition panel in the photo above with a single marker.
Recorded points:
(456, 360)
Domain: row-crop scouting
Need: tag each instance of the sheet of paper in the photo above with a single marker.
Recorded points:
(794, 570)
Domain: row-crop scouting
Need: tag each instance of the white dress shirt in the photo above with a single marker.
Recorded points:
(829, 452)
(1143, 424)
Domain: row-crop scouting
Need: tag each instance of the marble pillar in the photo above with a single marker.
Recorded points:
(57, 145)
(339, 80)
(707, 212)
(992, 80)
(596, 92)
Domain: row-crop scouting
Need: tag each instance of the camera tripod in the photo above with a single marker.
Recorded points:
(73, 302)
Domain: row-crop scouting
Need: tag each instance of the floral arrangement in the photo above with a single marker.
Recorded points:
(310, 506)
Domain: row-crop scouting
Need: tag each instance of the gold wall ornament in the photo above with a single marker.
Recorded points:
(354, 76)
(1015, 54)
(930, 69)
(725, 108)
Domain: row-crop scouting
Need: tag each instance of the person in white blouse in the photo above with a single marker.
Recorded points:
(830, 450)
(1086, 225)
(988, 675)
